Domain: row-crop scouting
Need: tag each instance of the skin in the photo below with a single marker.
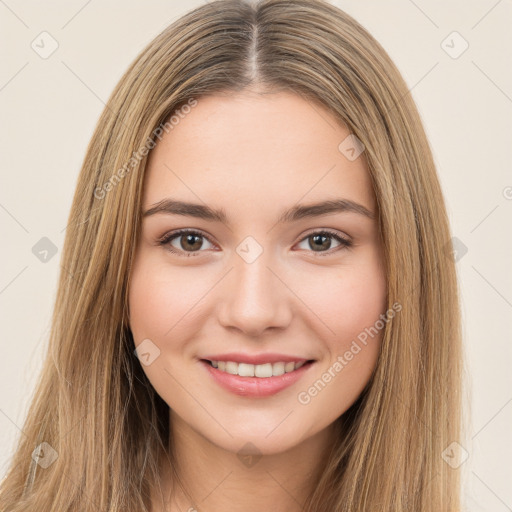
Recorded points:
(254, 156)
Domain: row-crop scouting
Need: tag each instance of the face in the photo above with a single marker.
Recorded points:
(254, 274)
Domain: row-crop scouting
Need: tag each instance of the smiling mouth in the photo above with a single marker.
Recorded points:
(265, 370)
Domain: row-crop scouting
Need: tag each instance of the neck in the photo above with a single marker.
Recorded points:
(210, 478)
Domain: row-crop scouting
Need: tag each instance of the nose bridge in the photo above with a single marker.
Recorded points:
(254, 298)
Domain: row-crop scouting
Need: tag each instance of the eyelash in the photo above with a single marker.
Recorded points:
(167, 238)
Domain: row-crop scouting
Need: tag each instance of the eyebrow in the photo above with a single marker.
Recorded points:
(173, 207)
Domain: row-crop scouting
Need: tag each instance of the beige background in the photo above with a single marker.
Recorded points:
(50, 107)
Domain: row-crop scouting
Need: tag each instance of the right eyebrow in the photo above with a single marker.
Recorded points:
(172, 207)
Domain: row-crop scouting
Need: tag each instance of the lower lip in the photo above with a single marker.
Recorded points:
(256, 386)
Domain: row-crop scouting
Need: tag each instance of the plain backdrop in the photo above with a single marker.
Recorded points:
(456, 58)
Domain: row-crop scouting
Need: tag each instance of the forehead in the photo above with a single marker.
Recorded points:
(255, 149)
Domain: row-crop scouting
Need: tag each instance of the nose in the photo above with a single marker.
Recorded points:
(254, 298)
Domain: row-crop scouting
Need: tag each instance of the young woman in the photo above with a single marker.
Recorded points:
(258, 306)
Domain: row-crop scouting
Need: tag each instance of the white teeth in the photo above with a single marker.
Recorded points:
(278, 368)
(231, 367)
(263, 370)
(256, 370)
(245, 370)
(289, 367)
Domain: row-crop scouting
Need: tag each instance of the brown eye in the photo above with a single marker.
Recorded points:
(190, 242)
(318, 242)
(185, 241)
(321, 242)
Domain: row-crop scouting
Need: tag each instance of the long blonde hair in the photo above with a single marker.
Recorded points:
(94, 405)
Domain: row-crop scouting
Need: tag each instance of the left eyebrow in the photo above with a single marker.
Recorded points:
(172, 207)
(325, 208)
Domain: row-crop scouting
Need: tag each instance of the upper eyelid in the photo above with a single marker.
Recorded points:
(174, 234)
(330, 231)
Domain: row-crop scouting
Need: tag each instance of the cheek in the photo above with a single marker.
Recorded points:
(349, 302)
(158, 299)
(149, 303)
(362, 301)
(161, 306)
(351, 296)
(351, 305)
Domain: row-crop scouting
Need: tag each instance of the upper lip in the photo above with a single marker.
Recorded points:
(256, 358)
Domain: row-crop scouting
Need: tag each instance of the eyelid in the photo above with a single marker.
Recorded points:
(189, 231)
(330, 231)
(167, 237)
(344, 241)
